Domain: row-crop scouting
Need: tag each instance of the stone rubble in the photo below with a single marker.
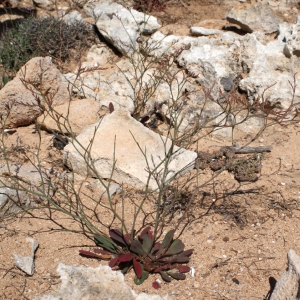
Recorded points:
(26, 263)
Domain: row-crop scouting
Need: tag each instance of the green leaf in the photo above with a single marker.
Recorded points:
(106, 243)
(177, 275)
(167, 241)
(165, 276)
(176, 247)
(139, 281)
(147, 243)
(137, 247)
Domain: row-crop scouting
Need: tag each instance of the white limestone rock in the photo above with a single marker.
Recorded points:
(199, 31)
(121, 26)
(288, 285)
(26, 263)
(256, 17)
(88, 283)
(120, 133)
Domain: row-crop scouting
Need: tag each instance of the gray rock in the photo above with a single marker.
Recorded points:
(121, 26)
(12, 201)
(26, 263)
(94, 284)
(288, 285)
(290, 35)
(121, 131)
(72, 17)
(198, 31)
(256, 17)
(111, 87)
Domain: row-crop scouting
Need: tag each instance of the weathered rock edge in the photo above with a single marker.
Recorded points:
(94, 284)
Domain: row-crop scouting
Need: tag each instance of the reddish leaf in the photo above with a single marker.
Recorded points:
(145, 231)
(156, 246)
(183, 269)
(137, 268)
(127, 238)
(159, 269)
(117, 236)
(155, 285)
(126, 257)
(150, 234)
(100, 251)
(111, 107)
(113, 262)
(186, 252)
(88, 254)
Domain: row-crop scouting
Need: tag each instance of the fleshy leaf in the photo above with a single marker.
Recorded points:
(100, 251)
(176, 247)
(144, 231)
(165, 276)
(183, 269)
(156, 285)
(177, 275)
(127, 238)
(167, 241)
(159, 269)
(117, 236)
(144, 276)
(147, 243)
(137, 268)
(126, 257)
(137, 247)
(88, 254)
(106, 243)
(113, 262)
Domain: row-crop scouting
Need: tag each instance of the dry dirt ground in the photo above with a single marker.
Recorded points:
(240, 233)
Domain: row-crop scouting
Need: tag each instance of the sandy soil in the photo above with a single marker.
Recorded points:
(240, 233)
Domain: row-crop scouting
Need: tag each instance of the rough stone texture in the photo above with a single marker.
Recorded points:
(88, 283)
(256, 17)
(118, 129)
(111, 87)
(267, 65)
(41, 73)
(98, 56)
(288, 286)
(73, 17)
(79, 113)
(121, 27)
(26, 263)
(290, 34)
(12, 201)
(198, 31)
(212, 24)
